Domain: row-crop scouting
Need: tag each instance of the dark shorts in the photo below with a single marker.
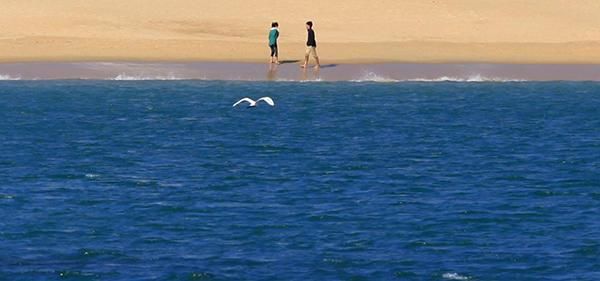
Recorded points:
(274, 51)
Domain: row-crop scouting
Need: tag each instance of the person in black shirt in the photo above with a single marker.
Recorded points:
(311, 46)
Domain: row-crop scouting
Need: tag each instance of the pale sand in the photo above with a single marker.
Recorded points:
(348, 31)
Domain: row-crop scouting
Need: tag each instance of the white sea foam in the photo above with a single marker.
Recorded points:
(454, 276)
(284, 80)
(471, 78)
(374, 77)
(8, 77)
(127, 77)
(311, 80)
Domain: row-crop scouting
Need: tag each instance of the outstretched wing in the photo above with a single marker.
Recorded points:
(268, 100)
(248, 100)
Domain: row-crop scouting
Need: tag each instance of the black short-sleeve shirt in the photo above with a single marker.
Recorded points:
(311, 42)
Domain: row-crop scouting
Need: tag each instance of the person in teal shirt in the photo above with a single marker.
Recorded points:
(273, 36)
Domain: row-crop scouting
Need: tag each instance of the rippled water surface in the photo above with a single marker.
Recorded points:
(339, 181)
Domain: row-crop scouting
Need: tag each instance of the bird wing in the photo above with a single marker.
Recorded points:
(248, 100)
(268, 100)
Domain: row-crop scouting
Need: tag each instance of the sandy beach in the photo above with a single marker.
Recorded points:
(349, 31)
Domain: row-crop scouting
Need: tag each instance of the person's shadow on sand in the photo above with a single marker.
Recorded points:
(328, 65)
(297, 61)
(289, 61)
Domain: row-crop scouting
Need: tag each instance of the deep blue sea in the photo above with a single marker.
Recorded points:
(112, 180)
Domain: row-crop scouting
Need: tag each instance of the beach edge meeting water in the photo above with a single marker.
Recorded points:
(286, 72)
(211, 140)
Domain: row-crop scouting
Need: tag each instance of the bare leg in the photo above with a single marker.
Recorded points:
(318, 63)
(276, 55)
(305, 62)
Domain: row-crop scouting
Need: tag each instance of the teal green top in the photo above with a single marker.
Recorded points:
(273, 35)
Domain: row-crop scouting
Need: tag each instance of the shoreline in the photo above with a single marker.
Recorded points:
(290, 71)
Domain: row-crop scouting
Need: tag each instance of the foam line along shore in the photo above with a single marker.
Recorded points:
(389, 72)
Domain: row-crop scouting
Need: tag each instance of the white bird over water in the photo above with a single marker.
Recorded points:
(253, 103)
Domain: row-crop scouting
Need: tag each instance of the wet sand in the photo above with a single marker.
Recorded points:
(290, 71)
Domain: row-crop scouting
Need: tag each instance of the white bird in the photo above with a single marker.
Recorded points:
(253, 103)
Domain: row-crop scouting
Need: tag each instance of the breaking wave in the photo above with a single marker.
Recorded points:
(126, 77)
(373, 77)
(454, 276)
(8, 77)
(472, 78)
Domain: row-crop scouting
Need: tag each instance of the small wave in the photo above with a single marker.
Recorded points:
(454, 276)
(126, 77)
(472, 78)
(373, 77)
(311, 80)
(91, 176)
(285, 80)
(8, 78)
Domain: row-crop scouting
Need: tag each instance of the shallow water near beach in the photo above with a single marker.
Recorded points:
(164, 180)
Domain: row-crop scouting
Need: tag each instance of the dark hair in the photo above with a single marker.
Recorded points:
(309, 23)
(274, 24)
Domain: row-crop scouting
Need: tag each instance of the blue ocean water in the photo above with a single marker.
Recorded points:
(338, 181)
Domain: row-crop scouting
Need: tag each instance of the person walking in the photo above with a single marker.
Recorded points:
(311, 46)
